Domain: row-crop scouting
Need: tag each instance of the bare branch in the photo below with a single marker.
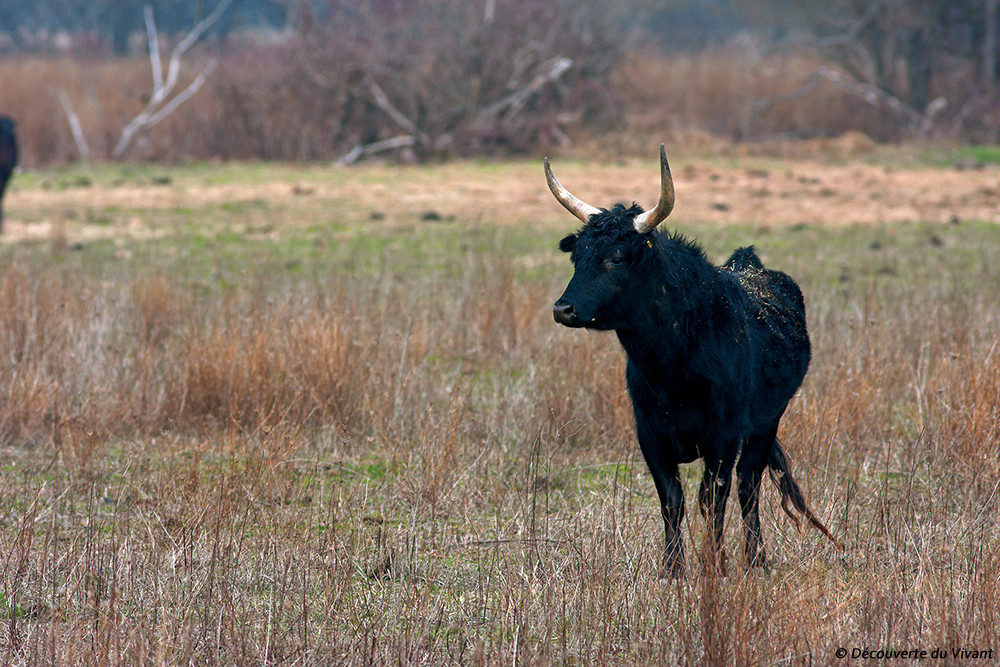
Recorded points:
(158, 107)
(75, 127)
(762, 105)
(920, 121)
(174, 68)
(508, 107)
(855, 55)
(549, 71)
(352, 156)
(880, 99)
(933, 109)
(148, 118)
(851, 34)
(183, 96)
(872, 95)
(196, 32)
(360, 151)
(382, 100)
(154, 48)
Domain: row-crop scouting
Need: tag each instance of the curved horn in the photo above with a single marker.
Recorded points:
(647, 221)
(574, 205)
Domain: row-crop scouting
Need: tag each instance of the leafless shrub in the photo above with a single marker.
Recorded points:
(440, 73)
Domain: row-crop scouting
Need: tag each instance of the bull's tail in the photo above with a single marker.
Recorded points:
(791, 494)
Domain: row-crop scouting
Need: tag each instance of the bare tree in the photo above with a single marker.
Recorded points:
(161, 104)
(896, 56)
(75, 127)
(443, 77)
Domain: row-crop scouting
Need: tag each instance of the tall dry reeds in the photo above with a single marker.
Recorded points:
(419, 466)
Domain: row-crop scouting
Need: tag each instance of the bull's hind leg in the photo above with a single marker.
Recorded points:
(712, 497)
(750, 471)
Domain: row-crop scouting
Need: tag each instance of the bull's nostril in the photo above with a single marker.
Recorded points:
(563, 313)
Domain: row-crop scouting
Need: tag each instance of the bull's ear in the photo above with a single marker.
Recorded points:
(567, 244)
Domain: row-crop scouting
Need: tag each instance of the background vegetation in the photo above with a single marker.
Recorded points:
(442, 78)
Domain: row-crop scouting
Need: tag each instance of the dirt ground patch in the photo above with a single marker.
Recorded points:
(740, 190)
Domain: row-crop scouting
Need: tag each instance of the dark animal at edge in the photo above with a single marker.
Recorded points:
(714, 356)
(8, 157)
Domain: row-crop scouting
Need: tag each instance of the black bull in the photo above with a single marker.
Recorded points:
(8, 156)
(714, 356)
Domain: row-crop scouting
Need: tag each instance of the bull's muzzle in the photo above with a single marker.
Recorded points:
(565, 314)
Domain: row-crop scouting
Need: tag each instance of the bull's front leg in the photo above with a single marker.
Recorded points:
(659, 449)
(671, 495)
(672, 510)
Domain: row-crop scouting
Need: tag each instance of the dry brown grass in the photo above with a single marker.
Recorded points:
(387, 453)
(736, 93)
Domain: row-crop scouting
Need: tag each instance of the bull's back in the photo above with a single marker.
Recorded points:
(777, 329)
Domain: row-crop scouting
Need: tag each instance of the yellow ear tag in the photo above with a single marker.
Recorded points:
(649, 243)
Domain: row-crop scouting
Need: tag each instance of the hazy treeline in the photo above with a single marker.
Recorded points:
(339, 79)
(116, 26)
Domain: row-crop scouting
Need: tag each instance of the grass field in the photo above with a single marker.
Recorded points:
(302, 415)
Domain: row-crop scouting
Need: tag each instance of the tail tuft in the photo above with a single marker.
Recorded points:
(791, 494)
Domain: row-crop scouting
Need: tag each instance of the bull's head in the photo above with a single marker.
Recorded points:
(607, 254)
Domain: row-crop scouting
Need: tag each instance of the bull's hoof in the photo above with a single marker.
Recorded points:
(671, 568)
(713, 563)
(757, 561)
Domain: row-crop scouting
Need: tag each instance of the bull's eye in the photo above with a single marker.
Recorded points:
(614, 260)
